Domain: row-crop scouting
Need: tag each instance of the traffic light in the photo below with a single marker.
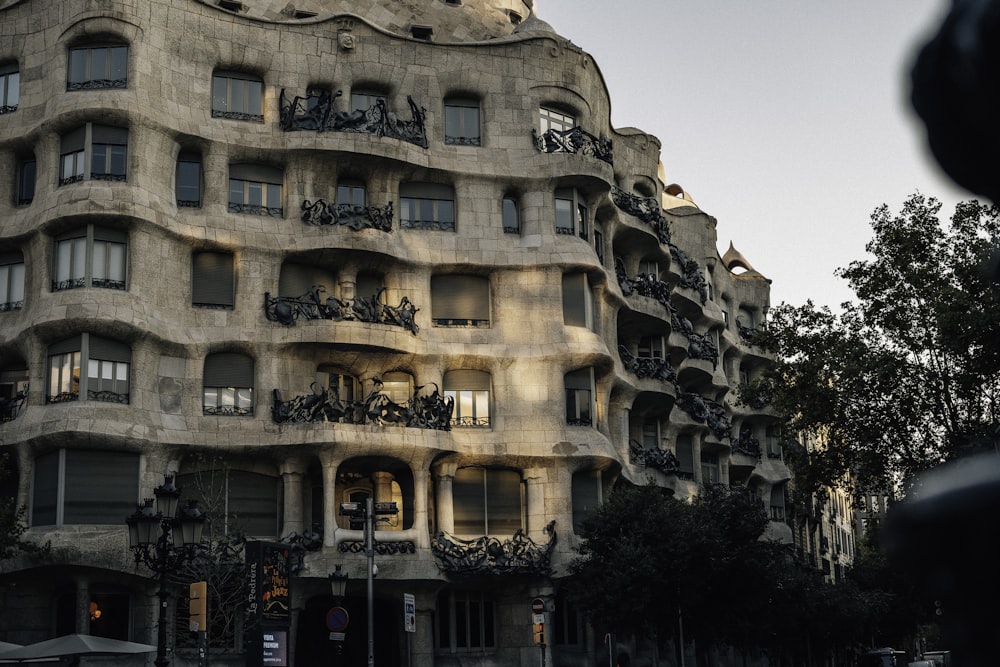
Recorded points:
(538, 631)
(198, 609)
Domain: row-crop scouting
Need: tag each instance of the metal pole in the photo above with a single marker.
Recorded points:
(161, 571)
(680, 632)
(370, 551)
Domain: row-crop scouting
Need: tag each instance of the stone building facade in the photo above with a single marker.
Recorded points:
(304, 255)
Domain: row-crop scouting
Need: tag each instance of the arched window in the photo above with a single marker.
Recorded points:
(461, 121)
(511, 216)
(97, 66)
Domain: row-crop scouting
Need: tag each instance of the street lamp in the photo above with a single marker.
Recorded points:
(367, 512)
(163, 538)
(338, 583)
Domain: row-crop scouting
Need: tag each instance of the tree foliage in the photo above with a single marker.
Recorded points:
(906, 376)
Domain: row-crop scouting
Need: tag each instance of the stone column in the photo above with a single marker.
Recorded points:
(330, 462)
(420, 513)
(82, 605)
(444, 477)
(292, 474)
(536, 479)
(382, 493)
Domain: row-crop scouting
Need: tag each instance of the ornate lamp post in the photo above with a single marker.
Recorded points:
(163, 538)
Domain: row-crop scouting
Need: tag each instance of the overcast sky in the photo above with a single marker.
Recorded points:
(787, 120)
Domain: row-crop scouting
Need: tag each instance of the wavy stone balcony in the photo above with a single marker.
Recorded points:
(312, 306)
(574, 140)
(489, 555)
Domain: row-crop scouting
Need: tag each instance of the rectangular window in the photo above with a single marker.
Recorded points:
(255, 197)
(579, 397)
(651, 346)
(108, 161)
(105, 147)
(10, 88)
(511, 216)
(64, 377)
(84, 487)
(709, 468)
(466, 622)
(351, 195)
(461, 122)
(550, 119)
(213, 279)
(189, 181)
(107, 381)
(26, 182)
(460, 300)
(228, 384)
(365, 100)
(564, 215)
(98, 67)
(487, 501)
(71, 263)
(237, 96)
(93, 255)
(578, 306)
(11, 282)
(586, 497)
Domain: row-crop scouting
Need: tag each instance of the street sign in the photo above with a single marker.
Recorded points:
(538, 606)
(538, 618)
(409, 613)
(337, 619)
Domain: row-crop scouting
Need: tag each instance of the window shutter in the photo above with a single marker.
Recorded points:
(427, 191)
(105, 134)
(11, 257)
(586, 496)
(73, 141)
(69, 345)
(108, 350)
(503, 502)
(228, 369)
(298, 279)
(253, 503)
(579, 379)
(469, 380)
(259, 173)
(212, 278)
(45, 490)
(574, 287)
(100, 487)
(459, 297)
(368, 285)
(113, 235)
(469, 501)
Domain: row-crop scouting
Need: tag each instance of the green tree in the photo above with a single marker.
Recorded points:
(906, 376)
(13, 521)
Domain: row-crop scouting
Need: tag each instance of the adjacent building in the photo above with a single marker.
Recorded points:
(303, 254)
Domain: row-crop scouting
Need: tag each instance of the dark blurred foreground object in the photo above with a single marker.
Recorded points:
(956, 92)
(946, 534)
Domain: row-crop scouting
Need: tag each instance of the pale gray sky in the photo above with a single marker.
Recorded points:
(787, 120)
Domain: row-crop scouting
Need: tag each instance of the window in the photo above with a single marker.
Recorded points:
(651, 346)
(26, 172)
(772, 436)
(599, 242)
(237, 96)
(571, 213)
(461, 122)
(649, 267)
(427, 206)
(579, 397)
(471, 391)
(363, 100)
(578, 303)
(13, 391)
(368, 285)
(11, 281)
(460, 301)
(586, 496)
(424, 32)
(10, 87)
(107, 363)
(346, 387)
(255, 189)
(213, 280)
(567, 622)
(236, 501)
(651, 434)
(228, 385)
(351, 193)
(685, 455)
(487, 501)
(466, 621)
(109, 613)
(709, 468)
(189, 180)
(91, 255)
(105, 147)
(511, 216)
(98, 66)
(551, 119)
(72, 486)
(397, 386)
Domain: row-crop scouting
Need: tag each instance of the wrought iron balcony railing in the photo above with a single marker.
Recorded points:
(747, 444)
(746, 333)
(11, 408)
(311, 306)
(644, 284)
(706, 411)
(97, 84)
(646, 209)
(425, 409)
(11, 305)
(573, 140)
(107, 396)
(648, 367)
(7, 108)
(691, 274)
(381, 548)
(321, 213)
(489, 555)
(653, 457)
(316, 113)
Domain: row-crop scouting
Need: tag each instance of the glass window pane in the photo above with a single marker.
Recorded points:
(227, 396)
(564, 214)
(273, 195)
(446, 211)
(481, 404)
(118, 160)
(220, 93)
(503, 502)
(99, 269)
(99, 159)
(210, 397)
(13, 89)
(471, 122)
(255, 193)
(406, 209)
(426, 210)
(244, 398)
(116, 261)
(77, 65)
(98, 63)
(237, 95)
(452, 122)
(119, 63)
(461, 624)
(469, 502)
(510, 217)
(189, 181)
(255, 94)
(5, 280)
(236, 188)
(464, 404)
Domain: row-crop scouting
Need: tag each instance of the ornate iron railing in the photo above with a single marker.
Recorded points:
(706, 411)
(226, 411)
(656, 458)
(646, 209)
(321, 213)
(691, 275)
(648, 367)
(63, 397)
(11, 408)
(381, 548)
(7, 108)
(471, 422)
(432, 225)
(11, 305)
(490, 556)
(700, 346)
(573, 140)
(107, 396)
(643, 284)
(97, 84)
(311, 306)
(104, 176)
(108, 283)
(426, 409)
(747, 444)
(76, 178)
(256, 209)
(746, 333)
(301, 114)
